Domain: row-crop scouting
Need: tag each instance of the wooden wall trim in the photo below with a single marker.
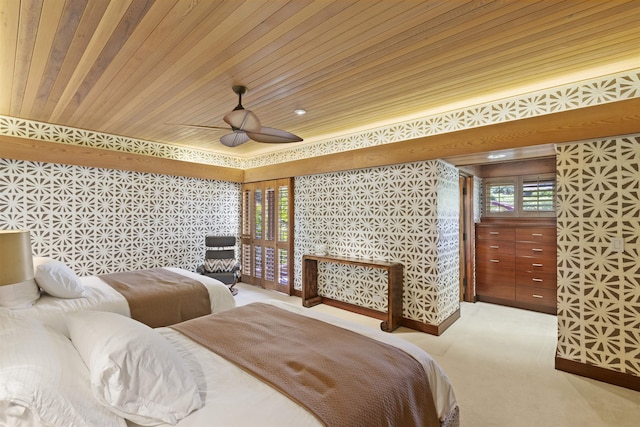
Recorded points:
(599, 121)
(436, 330)
(408, 323)
(601, 374)
(51, 152)
(519, 168)
(605, 120)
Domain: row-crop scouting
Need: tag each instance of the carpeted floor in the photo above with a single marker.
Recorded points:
(500, 361)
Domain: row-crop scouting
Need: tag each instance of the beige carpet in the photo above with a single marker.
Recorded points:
(500, 361)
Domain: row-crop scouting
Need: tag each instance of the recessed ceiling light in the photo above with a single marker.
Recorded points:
(300, 111)
(496, 156)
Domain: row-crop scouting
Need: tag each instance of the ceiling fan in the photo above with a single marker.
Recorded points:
(246, 125)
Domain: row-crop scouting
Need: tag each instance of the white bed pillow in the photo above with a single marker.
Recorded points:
(56, 279)
(43, 380)
(133, 369)
(20, 295)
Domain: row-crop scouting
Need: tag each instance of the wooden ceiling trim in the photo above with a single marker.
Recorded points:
(175, 83)
(618, 118)
(295, 59)
(135, 29)
(51, 152)
(346, 74)
(403, 66)
(47, 28)
(253, 47)
(28, 18)
(112, 16)
(132, 21)
(88, 21)
(177, 32)
(529, 68)
(9, 22)
(535, 68)
(439, 69)
(343, 50)
(62, 40)
(255, 100)
(258, 51)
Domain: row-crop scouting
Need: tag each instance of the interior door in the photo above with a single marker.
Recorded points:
(267, 237)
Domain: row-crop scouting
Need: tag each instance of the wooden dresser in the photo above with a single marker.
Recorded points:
(516, 264)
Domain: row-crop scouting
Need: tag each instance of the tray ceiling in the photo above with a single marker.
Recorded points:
(130, 67)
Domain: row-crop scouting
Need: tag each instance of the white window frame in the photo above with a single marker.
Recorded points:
(518, 184)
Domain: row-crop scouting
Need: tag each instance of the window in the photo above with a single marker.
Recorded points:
(501, 197)
(538, 194)
(516, 196)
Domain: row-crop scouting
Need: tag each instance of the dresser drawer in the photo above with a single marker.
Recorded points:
(536, 250)
(538, 280)
(495, 233)
(536, 234)
(496, 279)
(537, 265)
(538, 296)
(497, 249)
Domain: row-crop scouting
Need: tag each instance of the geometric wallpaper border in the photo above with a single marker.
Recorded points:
(572, 96)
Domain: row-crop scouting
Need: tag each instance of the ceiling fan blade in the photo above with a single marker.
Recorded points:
(243, 120)
(197, 126)
(274, 136)
(234, 139)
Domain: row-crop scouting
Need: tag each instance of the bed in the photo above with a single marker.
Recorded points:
(190, 387)
(93, 293)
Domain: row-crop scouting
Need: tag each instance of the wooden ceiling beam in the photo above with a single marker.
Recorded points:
(67, 154)
(601, 121)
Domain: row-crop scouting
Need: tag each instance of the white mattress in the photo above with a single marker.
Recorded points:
(102, 297)
(235, 398)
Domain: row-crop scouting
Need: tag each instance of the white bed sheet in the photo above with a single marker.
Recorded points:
(99, 296)
(235, 398)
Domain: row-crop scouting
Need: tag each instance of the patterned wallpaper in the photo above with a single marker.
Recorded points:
(102, 220)
(406, 213)
(581, 94)
(598, 288)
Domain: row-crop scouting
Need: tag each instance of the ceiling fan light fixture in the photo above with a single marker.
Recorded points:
(273, 136)
(243, 120)
(234, 139)
(246, 125)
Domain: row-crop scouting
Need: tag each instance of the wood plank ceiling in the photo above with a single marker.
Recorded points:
(129, 67)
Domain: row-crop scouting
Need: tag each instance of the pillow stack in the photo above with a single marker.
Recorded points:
(56, 279)
(134, 371)
(44, 382)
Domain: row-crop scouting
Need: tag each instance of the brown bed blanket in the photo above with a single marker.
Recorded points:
(159, 297)
(343, 378)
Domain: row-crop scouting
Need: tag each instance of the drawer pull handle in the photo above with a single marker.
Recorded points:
(494, 247)
(536, 250)
(536, 280)
(494, 260)
(536, 265)
(537, 296)
(494, 232)
(536, 234)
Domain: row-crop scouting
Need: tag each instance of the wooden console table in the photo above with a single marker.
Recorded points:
(394, 271)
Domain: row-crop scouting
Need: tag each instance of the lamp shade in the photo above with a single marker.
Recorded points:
(16, 260)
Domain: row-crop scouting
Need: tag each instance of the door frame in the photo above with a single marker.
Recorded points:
(467, 238)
